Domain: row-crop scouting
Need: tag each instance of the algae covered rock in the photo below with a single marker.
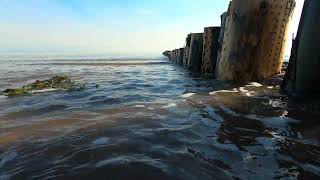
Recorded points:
(15, 92)
(57, 82)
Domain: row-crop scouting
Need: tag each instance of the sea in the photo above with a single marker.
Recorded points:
(146, 118)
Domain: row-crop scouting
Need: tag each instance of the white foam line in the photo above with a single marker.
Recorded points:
(170, 105)
(254, 84)
(139, 106)
(224, 91)
(44, 90)
(243, 90)
(188, 95)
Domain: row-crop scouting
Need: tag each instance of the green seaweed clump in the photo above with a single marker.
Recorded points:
(62, 82)
(15, 92)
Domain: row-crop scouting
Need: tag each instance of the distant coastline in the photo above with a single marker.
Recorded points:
(73, 56)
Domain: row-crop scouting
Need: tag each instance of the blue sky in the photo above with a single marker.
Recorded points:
(110, 27)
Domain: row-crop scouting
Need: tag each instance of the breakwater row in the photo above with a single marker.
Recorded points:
(248, 46)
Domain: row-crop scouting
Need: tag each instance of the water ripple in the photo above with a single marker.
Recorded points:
(148, 119)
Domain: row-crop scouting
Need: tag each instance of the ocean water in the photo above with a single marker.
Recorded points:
(150, 119)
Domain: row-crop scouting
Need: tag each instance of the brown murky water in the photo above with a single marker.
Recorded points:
(149, 119)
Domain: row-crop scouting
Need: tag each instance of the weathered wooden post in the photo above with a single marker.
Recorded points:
(180, 56)
(167, 54)
(220, 40)
(185, 56)
(254, 39)
(303, 75)
(172, 56)
(210, 50)
(195, 52)
(175, 56)
(186, 51)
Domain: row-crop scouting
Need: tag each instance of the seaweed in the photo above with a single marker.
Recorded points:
(15, 92)
(62, 82)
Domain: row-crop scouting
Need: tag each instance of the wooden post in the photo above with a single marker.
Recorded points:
(220, 40)
(180, 56)
(186, 51)
(254, 39)
(303, 75)
(195, 52)
(210, 50)
(185, 56)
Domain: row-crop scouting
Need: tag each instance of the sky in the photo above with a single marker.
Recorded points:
(108, 27)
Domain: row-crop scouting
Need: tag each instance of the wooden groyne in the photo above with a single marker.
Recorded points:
(303, 74)
(249, 45)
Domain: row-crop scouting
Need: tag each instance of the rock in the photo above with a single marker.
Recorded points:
(210, 50)
(254, 39)
(195, 52)
(274, 80)
(56, 82)
(15, 92)
(303, 74)
(284, 67)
